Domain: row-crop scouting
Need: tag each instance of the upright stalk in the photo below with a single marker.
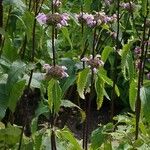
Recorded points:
(145, 54)
(53, 137)
(33, 42)
(88, 108)
(114, 70)
(140, 80)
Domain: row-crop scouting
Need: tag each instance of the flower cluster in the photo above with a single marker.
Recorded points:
(137, 51)
(97, 19)
(108, 2)
(128, 6)
(58, 72)
(93, 63)
(87, 19)
(56, 3)
(56, 19)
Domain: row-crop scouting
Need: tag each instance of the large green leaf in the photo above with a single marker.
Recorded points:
(69, 104)
(16, 70)
(132, 94)
(99, 87)
(107, 50)
(66, 35)
(18, 3)
(54, 95)
(82, 79)
(10, 135)
(97, 138)
(38, 140)
(15, 93)
(67, 135)
(127, 64)
(107, 80)
(145, 99)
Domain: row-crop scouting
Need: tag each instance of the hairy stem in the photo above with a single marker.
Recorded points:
(33, 42)
(88, 107)
(53, 34)
(140, 76)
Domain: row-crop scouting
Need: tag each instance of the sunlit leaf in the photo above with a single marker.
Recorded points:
(82, 81)
(54, 95)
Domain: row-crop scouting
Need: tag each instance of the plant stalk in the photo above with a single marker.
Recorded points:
(53, 34)
(114, 70)
(88, 107)
(140, 80)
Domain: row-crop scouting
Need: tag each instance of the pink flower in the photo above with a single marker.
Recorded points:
(41, 18)
(56, 19)
(56, 3)
(57, 72)
(93, 63)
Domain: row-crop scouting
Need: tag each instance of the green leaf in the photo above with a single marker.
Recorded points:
(145, 99)
(127, 63)
(15, 93)
(69, 104)
(82, 79)
(9, 51)
(38, 141)
(97, 138)
(10, 135)
(67, 135)
(16, 70)
(102, 75)
(18, 3)
(107, 146)
(42, 108)
(107, 50)
(4, 97)
(66, 35)
(144, 7)
(138, 143)
(54, 95)
(99, 87)
(34, 124)
(69, 81)
(87, 5)
(132, 94)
